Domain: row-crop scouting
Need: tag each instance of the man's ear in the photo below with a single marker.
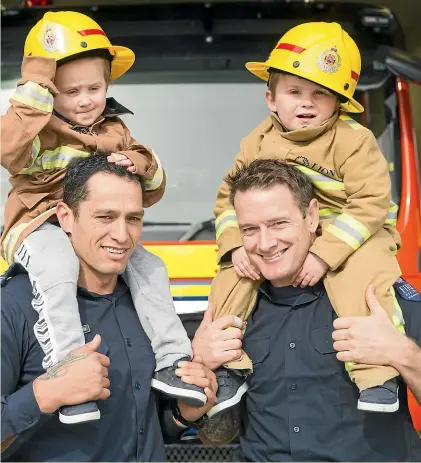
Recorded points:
(269, 101)
(65, 217)
(313, 215)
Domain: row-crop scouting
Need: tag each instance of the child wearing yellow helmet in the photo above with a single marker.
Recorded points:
(60, 111)
(312, 74)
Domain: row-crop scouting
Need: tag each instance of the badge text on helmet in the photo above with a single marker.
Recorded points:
(329, 60)
(50, 40)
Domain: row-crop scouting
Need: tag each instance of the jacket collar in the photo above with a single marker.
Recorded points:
(305, 134)
(112, 109)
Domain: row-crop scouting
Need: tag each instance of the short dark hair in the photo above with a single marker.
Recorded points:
(265, 173)
(80, 170)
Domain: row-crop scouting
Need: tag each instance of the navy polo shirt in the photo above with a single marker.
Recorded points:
(301, 405)
(129, 428)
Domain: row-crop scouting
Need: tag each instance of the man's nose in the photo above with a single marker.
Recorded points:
(119, 231)
(267, 240)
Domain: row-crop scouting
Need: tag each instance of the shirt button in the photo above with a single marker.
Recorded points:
(141, 431)
(129, 342)
(293, 387)
(292, 345)
(137, 385)
(296, 429)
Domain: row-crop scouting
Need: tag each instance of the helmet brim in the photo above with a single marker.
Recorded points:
(260, 70)
(123, 59)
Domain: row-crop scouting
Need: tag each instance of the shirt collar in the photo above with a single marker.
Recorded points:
(289, 295)
(120, 289)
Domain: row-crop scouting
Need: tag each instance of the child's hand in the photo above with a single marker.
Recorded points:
(310, 273)
(121, 160)
(242, 264)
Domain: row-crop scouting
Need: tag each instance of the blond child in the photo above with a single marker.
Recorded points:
(58, 112)
(312, 74)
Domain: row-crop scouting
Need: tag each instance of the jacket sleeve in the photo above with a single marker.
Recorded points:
(148, 167)
(19, 409)
(368, 207)
(30, 111)
(228, 236)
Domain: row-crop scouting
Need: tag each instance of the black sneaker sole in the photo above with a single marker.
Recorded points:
(187, 396)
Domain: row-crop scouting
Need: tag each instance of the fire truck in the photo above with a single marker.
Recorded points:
(193, 101)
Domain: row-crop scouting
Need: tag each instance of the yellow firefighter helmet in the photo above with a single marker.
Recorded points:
(63, 34)
(321, 52)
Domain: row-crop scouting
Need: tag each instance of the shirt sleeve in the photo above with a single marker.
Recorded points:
(30, 111)
(19, 409)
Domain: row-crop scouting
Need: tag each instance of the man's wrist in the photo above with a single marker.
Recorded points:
(403, 353)
(44, 395)
(180, 420)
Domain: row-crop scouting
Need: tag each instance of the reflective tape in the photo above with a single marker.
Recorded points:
(327, 213)
(397, 316)
(156, 182)
(35, 96)
(354, 224)
(35, 149)
(392, 214)
(226, 220)
(13, 235)
(56, 159)
(353, 124)
(320, 181)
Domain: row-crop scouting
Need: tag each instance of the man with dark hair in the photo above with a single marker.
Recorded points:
(300, 403)
(102, 212)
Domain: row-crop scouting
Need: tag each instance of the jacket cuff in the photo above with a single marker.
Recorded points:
(22, 411)
(334, 256)
(39, 70)
(231, 239)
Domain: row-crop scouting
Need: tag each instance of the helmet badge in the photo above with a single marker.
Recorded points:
(329, 60)
(50, 40)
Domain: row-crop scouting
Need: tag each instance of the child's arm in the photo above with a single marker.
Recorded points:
(146, 164)
(367, 186)
(30, 111)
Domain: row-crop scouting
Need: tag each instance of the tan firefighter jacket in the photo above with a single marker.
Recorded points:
(350, 178)
(38, 144)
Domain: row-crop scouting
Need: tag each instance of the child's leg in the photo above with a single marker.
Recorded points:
(53, 268)
(232, 295)
(147, 278)
(48, 257)
(373, 263)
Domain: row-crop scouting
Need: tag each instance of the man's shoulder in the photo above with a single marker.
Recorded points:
(16, 288)
(409, 300)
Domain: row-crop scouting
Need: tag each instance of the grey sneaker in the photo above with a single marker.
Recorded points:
(169, 383)
(231, 387)
(382, 398)
(72, 414)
